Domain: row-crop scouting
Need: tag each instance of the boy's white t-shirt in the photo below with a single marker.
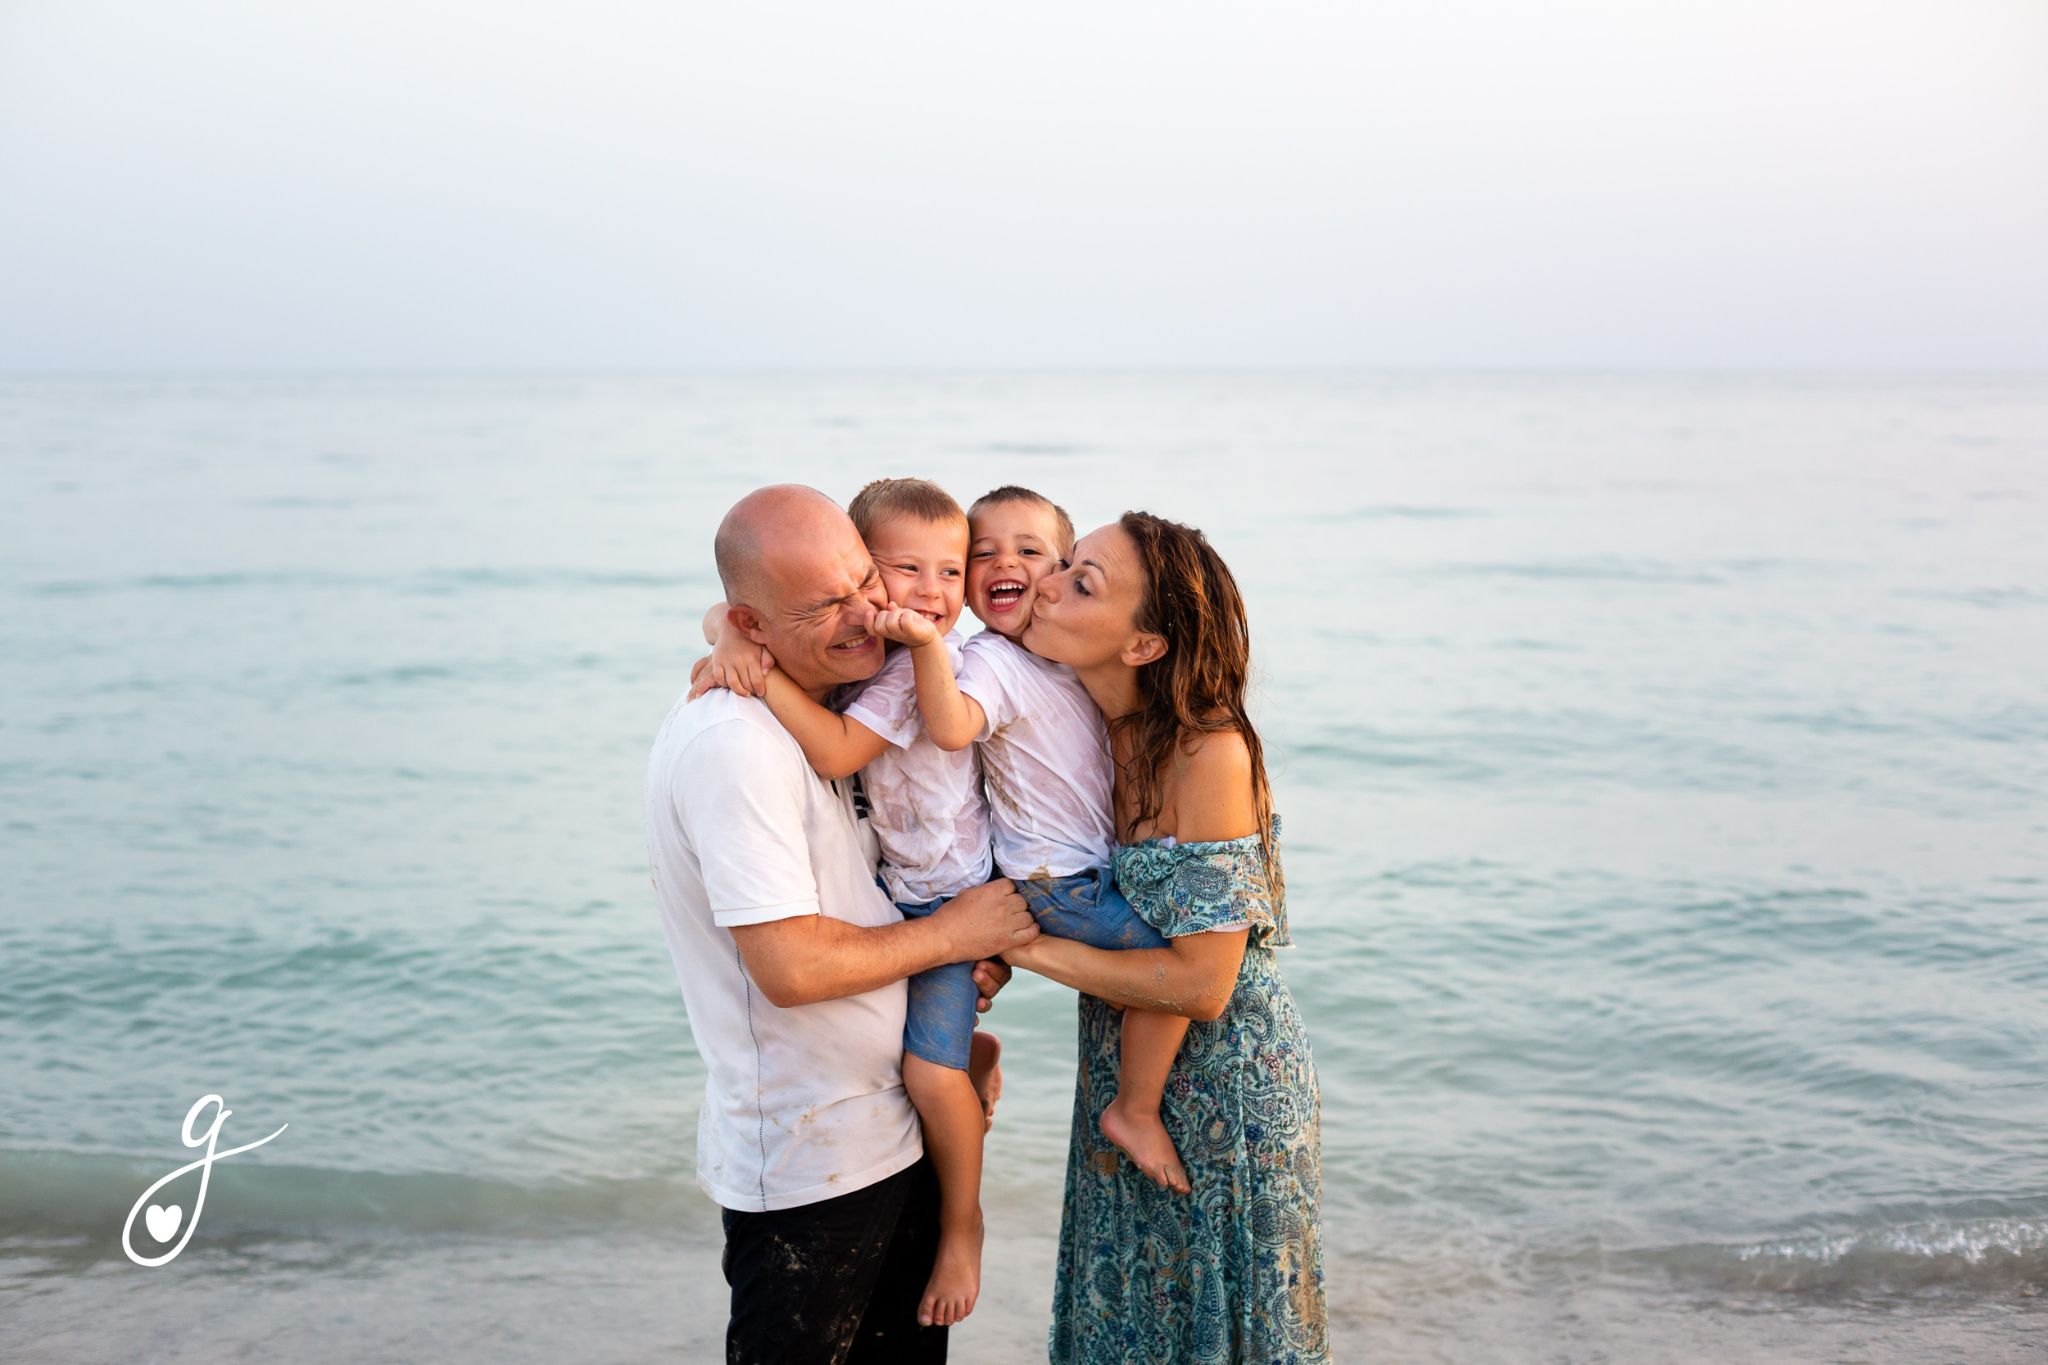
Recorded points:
(928, 810)
(1044, 760)
(804, 1103)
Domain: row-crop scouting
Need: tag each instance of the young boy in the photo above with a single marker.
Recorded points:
(933, 827)
(1046, 767)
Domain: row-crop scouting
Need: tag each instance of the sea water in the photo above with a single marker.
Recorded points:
(1663, 759)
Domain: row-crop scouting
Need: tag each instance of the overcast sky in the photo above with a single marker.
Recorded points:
(308, 184)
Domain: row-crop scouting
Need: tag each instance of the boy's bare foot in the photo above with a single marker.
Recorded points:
(984, 1068)
(956, 1278)
(1143, 1138)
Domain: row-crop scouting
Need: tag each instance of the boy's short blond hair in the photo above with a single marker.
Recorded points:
(918, 499)
(1010, 492)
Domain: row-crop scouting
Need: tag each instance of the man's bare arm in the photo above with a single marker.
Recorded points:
(808, 958)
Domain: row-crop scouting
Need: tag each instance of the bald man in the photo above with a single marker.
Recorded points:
(792, 961)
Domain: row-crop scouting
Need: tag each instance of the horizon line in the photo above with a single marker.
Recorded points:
(1560, 369)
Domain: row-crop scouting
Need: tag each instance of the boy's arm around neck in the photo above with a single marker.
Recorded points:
(835, 746)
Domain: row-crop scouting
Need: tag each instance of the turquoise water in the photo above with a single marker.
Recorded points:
(1663, 761)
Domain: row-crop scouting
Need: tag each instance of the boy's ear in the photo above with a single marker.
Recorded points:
(1144, 648)
(747, 622)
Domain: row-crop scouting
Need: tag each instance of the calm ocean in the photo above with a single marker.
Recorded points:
(1664, 763)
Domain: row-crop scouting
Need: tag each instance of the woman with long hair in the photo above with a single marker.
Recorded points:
(1151, 621)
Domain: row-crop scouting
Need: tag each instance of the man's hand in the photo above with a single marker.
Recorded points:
(984, 921)
(904, 626)
(990, 976)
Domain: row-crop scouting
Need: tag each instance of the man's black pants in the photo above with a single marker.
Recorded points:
(836, 1282)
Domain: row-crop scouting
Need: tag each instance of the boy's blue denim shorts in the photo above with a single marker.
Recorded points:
(1085, 907)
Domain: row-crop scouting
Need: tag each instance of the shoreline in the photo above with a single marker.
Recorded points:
(603, 1297)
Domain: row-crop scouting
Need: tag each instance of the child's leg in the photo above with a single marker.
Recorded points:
(1089, 909)
(938, 1046)
(953, 1128)
(1131, 1121)
(985, 1070)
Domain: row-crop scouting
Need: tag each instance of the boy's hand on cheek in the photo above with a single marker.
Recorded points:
(904, 626)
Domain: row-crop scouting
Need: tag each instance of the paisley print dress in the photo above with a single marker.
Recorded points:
(1231, 1274)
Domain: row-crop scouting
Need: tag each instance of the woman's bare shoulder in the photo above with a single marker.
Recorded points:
(1214, 755)
(1212, 796)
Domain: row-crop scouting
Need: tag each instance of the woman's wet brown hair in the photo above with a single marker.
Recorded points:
(1192, 602)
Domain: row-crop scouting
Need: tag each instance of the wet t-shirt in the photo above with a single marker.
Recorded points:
(1044, 760)
(804, 1103)
(928, 811)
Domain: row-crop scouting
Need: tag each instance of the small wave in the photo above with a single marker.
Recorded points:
(313, 503)
(1847, 720)
(61, 1193)
(1971, 1253)
(1587, 570)
(438, 582)
(1614, 569)
(1034, 448)
(232, 580)
(1388, 753)
(1401, 512)
(425, 583)
(1992, 598)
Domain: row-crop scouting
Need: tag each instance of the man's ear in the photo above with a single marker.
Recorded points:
(747, 622)
(1144, 648)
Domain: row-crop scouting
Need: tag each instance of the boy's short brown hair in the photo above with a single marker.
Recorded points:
(919, 499)
(1010, 492)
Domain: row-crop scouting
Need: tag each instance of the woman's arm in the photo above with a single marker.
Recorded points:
(1209, 792)
(1192, 976)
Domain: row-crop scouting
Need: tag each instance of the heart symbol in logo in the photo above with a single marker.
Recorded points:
(163, 1222)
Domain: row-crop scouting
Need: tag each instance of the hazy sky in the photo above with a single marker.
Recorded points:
(290, 184)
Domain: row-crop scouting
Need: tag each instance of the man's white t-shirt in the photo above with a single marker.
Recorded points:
(928, 810)
(1044, 760)
(800, 1104)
